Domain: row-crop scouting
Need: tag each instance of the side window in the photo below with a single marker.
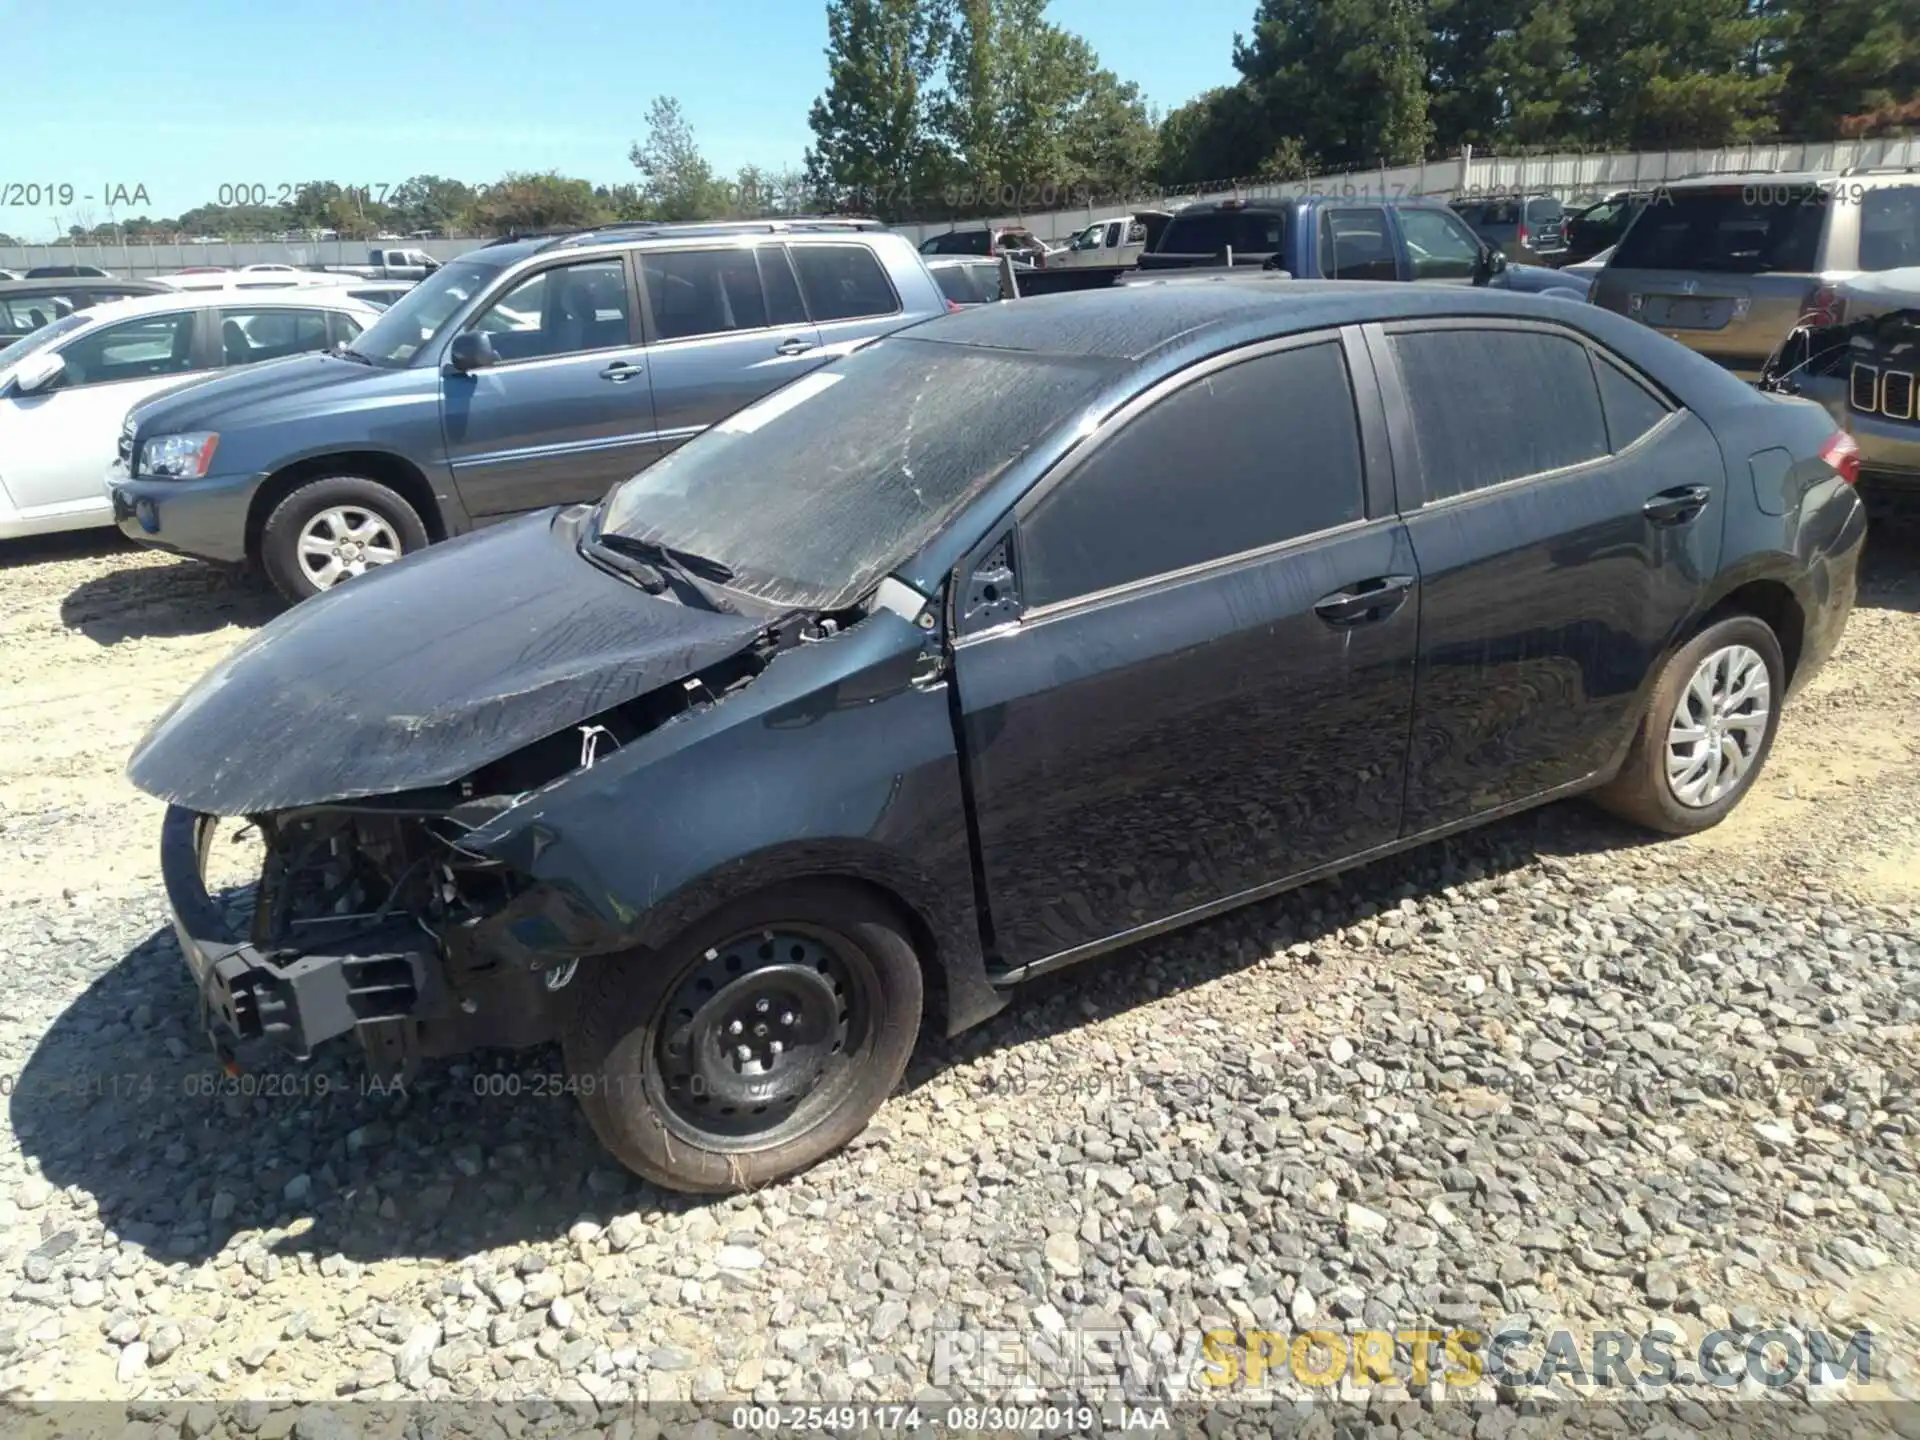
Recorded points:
(703, 292)
(780, 288)
(1281, 459)
(1631, 408)
(1439, 245)
(1354, 245)
(1490, 406)
(248, 336)
(562, 311)
(132, 350)
(1136, 232)
(1890, 228)
(843, 282)
(345, 328)
(1113, 233)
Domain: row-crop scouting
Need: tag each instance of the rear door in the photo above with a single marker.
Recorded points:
(1356, 243)
(1185, 671)
(1564, 514)
(565, 413)
(847, 292)
(1725, 270)
(725, 326)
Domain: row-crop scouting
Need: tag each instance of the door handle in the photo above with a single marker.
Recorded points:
(795, 346)
(623, 370)
(1374, 599)
(1676, 506)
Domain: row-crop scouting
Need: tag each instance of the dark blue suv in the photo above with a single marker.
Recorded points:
(520, 375)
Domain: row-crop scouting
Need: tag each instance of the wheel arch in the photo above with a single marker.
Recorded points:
(394, 471)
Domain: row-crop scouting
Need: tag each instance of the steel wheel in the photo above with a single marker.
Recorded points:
(343, 541)
(1718, 726)
(762, 1037)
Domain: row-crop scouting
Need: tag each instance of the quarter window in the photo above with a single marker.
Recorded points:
(562, 311)
(131, 350)
(704, 292)
(1354, 245)
(1890, 228)
(1280, 459)
(1631, 408)
(1490, 406)
(843, 282)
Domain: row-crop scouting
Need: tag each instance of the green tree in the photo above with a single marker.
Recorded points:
(430, 202)
(1344, 80)
(524, 203)
(679, 184)
(872, 133)
(1845, 57)
(1680, 73)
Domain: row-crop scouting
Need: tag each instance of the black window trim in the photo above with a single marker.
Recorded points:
(1375, 488)
(1405, 449)
(796, 243)
(513, 279)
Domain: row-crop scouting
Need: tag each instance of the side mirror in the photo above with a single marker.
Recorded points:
(471, 350)
(1493, 261)
(38, 372)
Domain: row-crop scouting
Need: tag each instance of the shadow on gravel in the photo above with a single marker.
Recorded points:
(1890, 569)
(182, 597)
(123, 1100)
(65, 545)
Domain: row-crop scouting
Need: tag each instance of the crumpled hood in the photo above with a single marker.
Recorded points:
(419, 674)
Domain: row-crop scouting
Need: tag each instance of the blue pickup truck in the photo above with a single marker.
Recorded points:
(1325, 237)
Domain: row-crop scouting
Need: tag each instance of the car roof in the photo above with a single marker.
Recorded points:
(510, 249)
(61, 284)
(171, 300)
(1133, 321)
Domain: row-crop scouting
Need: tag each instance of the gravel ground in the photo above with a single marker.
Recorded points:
(1548, 1071)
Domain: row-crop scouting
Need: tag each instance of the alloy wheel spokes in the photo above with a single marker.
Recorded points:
(1718, 725)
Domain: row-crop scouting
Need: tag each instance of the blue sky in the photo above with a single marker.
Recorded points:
(182, 96)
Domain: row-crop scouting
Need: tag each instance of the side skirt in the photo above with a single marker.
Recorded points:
(1198, 913)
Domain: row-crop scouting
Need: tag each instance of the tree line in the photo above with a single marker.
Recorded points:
(951, 108)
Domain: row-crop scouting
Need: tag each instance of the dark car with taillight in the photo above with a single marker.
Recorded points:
(1728, 265)
(917, 679)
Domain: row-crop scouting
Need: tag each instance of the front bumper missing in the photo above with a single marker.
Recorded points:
(347, 975)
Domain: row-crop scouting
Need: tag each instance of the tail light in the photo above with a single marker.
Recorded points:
(1523, 235)
(1843, 455)
(1825, 306)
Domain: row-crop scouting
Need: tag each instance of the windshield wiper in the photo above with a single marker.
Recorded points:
(699, 573)
(347, 352)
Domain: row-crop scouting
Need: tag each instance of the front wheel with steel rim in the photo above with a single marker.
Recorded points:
(334, 529)
(1707, 730)
(756, 1044)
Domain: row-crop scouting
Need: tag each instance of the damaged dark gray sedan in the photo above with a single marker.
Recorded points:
(1000, 643)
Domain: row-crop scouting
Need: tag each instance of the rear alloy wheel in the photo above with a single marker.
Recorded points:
(1707, 730)
(331, 530)
(755, 1045)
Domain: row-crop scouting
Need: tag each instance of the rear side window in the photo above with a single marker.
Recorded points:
(703, 292)
(1890, 228)
(782, 290)
(1631, 408)
(1354, 245)
(1740, 232)
(843, 282)
(1490, 406)
(1280, 458)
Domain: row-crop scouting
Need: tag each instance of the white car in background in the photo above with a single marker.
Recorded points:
(248, 279)
(66, 388)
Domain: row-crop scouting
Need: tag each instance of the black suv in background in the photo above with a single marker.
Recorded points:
(1524, 228)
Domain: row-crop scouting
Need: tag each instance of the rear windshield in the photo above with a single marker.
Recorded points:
(813, 493)
(1744, 232)
(1256, 232)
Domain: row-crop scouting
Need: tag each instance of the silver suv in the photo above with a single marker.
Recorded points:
(1728, 264)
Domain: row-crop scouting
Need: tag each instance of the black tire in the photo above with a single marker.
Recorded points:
(656, 1111)
(1641, 792)
(280, 538)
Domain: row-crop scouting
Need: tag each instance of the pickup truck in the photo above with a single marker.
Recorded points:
(391, 263)
(1321, 237)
